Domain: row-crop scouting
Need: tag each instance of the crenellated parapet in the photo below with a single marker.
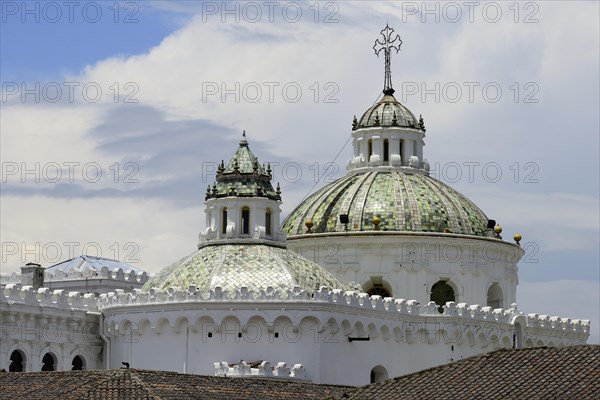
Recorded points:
(43, 321)
(15, 294)
(173, 294)
(551, 330)
(351, 312)
(116, 274)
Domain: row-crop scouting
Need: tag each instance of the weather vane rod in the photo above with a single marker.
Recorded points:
(387, 43)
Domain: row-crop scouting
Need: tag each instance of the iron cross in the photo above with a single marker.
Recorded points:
(388, 42)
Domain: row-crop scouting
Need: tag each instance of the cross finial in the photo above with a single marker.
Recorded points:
(388, 42)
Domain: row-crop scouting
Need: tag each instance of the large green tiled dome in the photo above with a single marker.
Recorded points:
(254, 266)
(402, 201)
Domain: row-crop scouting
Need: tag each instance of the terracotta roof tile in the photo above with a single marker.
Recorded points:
(537, 373)
(137, 384)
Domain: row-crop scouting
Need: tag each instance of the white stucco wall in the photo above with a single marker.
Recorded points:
(410, 263)
(171, 332)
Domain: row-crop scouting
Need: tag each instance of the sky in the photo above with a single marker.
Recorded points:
(114, 116)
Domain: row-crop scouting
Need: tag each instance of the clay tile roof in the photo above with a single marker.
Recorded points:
(536, 373)
(134, 384)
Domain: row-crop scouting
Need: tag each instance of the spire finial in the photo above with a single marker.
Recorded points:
(388, 42)
(244, 142)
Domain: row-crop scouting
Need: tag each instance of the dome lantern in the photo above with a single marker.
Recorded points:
(388, 135)
(243, 203)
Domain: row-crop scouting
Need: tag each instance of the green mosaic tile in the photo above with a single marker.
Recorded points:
(256, 267)
(243, 176)
(404, 202)
(384, 112)
(381, 202)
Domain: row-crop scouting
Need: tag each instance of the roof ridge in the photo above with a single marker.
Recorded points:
(62, 262)
(101, 258)
(114, 375)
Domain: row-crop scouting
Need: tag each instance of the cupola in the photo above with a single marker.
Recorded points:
(242, 203)
(388, 135)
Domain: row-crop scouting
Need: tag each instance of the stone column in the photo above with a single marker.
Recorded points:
(407, 150)
(362, 143)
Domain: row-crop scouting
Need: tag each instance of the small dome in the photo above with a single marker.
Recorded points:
(243, 176)
(402, 201)
(255, 266)
(388, 112)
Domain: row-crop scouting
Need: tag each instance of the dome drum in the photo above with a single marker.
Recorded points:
(389, 147)
(242, 217)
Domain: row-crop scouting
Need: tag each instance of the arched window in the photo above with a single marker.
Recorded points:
(377, 286)
(268, 222)
(494, 296)
(370, 145)
(77, 364)
(48, 362)
(442, 293)
(17, 361)
(379, 290)
(224, 221)
(378, 374)
(386, 150)
(518, 336)
(245, 221)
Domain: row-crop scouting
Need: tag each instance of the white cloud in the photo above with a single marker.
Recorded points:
(44, 133)
(148, 234)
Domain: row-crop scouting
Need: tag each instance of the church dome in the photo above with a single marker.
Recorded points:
(387, 112)
(243, 176)
(407, 202)
(242, 246)
(387, 187)
(254, 266)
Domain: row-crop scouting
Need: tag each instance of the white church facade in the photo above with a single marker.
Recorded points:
(419, 277)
